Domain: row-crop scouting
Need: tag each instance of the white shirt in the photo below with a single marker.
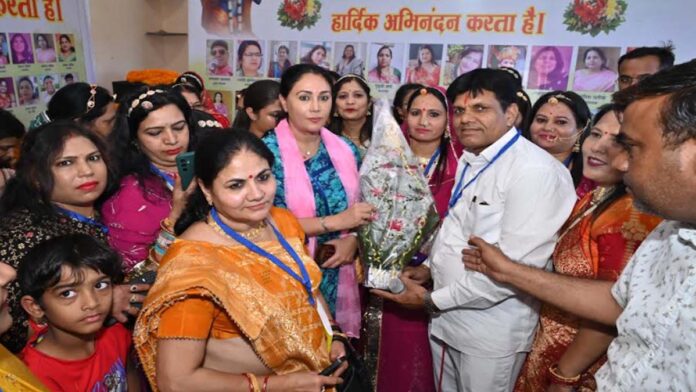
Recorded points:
(519, 203)
(655, 349)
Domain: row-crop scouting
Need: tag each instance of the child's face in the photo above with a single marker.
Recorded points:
(80, 302)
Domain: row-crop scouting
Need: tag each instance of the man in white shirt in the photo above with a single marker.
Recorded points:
(515, 195)
(653, 304)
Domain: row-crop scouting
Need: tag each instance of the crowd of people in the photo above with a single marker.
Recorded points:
(565, 258)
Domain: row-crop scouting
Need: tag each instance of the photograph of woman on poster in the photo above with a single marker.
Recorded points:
(48, 87)
(593, 72)
(462, 59)
(351, 61)
(219, 58)
(7, 96)
(20, 45)
(383, 72)
(44, 48)
(4, 50)
(282, 59)
(317, 55)
(549, 67)
(67, 48)
(423, 66)
(249, 59)
(27, 92)
(219, 104)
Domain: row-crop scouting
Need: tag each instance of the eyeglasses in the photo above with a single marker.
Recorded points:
(253, 55)
(216, 52)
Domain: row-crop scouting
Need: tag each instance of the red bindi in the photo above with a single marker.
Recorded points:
(251, 176)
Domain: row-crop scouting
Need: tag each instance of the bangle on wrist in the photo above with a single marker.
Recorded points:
(557, 378)
(253, 382)
(265, 383)
(322, 221)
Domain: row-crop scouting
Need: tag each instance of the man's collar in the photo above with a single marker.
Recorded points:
(687, 233)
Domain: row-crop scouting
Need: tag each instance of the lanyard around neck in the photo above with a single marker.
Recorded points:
(459, 189)
(169, 181)
(82, 218)
(431, 162)
(304, 280)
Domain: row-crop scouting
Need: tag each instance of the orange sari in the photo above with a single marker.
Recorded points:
(267, 306)
(595, 248)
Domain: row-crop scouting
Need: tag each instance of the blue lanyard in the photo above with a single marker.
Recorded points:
(457, 194)
(568, 160)
(166, 177)
(304, 280)
(84, 219)
(432, 160)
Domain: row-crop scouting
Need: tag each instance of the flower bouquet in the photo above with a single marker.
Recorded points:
(298, 14)
(594, 16)
(392, 182)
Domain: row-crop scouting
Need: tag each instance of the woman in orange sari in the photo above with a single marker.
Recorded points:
(596, 242)
(236, 292)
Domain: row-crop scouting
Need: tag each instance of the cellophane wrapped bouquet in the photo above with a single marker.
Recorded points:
(392, 182)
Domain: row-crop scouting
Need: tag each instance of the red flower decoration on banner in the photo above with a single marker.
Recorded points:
(298, 14)
(594, 16)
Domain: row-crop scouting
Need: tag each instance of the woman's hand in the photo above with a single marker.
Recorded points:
(301, 382)
(356, 215)
(124, 296)
(179, 197)
(419, 274)
(338, 350)
(346, 248)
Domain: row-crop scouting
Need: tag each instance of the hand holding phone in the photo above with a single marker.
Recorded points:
(185, 167)
(333, 367)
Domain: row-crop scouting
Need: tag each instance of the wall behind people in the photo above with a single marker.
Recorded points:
(119, 39)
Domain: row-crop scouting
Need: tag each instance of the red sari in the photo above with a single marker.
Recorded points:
(405, 361)
(595, 248)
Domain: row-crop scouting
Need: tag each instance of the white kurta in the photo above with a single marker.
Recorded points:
(519, 203)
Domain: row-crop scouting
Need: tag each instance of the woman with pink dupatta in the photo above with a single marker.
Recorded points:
(405, 361)
(317, 176)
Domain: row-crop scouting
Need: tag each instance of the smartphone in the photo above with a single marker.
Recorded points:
(323, 253)
(333, 367)
(184, 165)
(147, 277)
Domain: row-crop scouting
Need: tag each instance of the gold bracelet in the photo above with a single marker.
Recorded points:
(253, 382)
(557, 378)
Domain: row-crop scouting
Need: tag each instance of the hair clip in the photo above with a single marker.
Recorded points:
(209, 124)
(554, 99)
(351, 75)
(92, 96)
(520, 94)
(142, 100)
(512, 72)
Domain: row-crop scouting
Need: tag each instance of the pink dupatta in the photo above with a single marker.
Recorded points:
(299, 197)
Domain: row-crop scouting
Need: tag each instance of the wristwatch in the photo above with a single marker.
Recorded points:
(429, 305)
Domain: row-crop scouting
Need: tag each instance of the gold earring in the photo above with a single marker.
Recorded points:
(576, 146)
(335, 114)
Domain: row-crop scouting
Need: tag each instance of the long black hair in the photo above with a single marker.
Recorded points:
(439, 169)
(32, 187)
(336, 125)
(213, 154)
(125, 136)
(258, 95)
(71, 103)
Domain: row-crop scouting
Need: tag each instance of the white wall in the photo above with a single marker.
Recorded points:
(119, 41)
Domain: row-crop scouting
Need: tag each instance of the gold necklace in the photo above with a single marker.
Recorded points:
(250, 234)
(598, 196)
